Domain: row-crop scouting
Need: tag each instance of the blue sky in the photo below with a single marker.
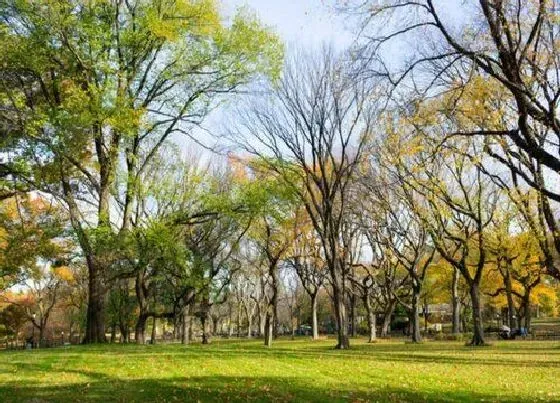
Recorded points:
(299, 23)
(305, 22)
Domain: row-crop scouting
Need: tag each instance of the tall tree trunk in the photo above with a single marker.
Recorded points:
(95, 316)
(176, 328)
(186, 331)
(141, 299)
(249, 321)
(372, 320)
(154, 330)
(230, 323)
(239, 320)
(527, 309)
(140, 330)
(509, 296)
(204, 323)
(464, 326)
(268, 329)
(456, 303)
(353, 327)
(262, 324)
(215, 323)
(389, 309)
(314, 325)
(41, 336)
(274, 299)
(341, 317)
(425, 313)
(416, 336)
(113, 333)
(478, 329)
(124, 332)
(259, 319)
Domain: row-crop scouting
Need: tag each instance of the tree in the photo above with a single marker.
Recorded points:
(514, 51)
(315, 125)
(86, 85)
(42, 295)
(271, 233)
(308, 264)
(458, 207)
(29, 228)
(13, 317)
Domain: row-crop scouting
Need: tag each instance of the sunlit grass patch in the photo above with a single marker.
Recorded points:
(298, 370)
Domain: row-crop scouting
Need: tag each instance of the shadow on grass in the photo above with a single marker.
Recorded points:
(220, 389)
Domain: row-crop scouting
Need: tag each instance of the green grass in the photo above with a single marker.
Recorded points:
(298, 370)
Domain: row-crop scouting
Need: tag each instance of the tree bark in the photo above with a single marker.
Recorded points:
(268, 330)
(509, 296)
(389, 309)
(215, 323)
(527, 309)
(230, 323)
(416, 335)
(353, 327)
(239, 320)
(186, 331)
(372, 320)
(478, 329)
(314, 324)
(262, 324)
(113, 333)
(140, 330)
(249, 321)
(341, 318)
(456, 303)
(95, 316)
(154, 330)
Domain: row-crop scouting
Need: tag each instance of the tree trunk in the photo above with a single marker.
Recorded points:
(154, 330)
(527, 309)
(341, 318)
(186, 331)
(389, 309)
(42, 336)
(268, 330)
(124, 333)
(509, 296)
(239, 320)
(416, 336)
(478, 330)
(249, 321)
(113, 333)
(456, 304)
(204, 323)
(230, 324)
(353, 327)
(95, 317)
(215, 323)
(372, 320)
(259, 319)
(176, 328)
(315, 327)
(140, 331)
(262, 324)
(463, 317)
(274, 300)
(425, 313)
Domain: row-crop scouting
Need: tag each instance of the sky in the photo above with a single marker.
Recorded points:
(303, 22)
(299, 23)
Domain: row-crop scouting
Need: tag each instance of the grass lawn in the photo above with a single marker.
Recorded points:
(298, 370)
